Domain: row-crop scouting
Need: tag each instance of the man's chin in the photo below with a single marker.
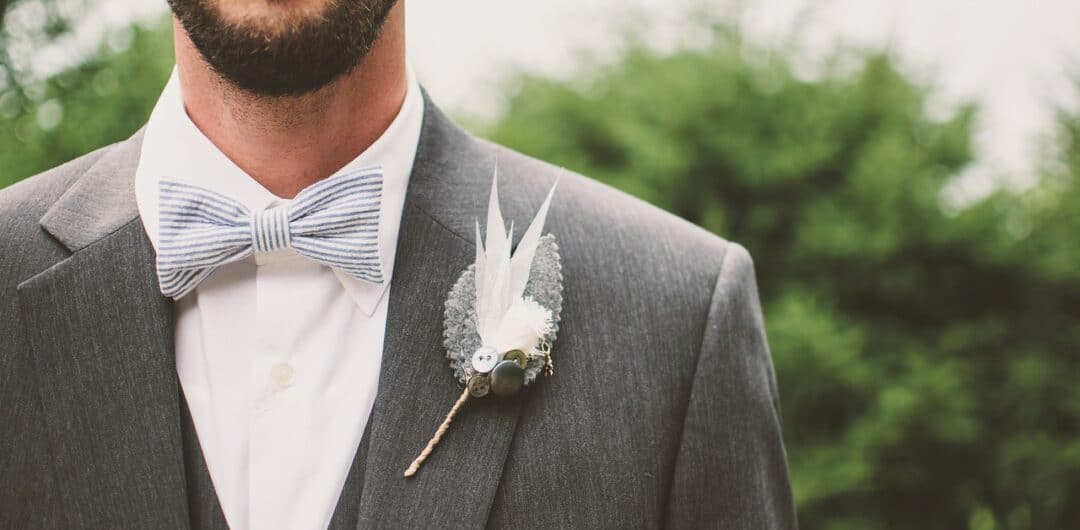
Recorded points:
(279, 47)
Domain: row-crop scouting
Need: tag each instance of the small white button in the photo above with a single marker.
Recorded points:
(484, 359)
(283, 374)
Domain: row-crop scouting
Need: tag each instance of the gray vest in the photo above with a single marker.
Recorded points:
(203, 505)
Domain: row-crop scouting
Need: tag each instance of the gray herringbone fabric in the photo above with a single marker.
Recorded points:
(662, 411)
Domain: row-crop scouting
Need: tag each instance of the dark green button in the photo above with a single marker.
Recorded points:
(479, 385)
(507, 378)
(517, 355)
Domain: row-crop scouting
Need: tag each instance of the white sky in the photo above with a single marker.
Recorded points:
(1013, 57)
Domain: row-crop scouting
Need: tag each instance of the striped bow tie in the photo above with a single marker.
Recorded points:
(334, 222)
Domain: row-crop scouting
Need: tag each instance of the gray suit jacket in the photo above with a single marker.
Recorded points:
(662, 410)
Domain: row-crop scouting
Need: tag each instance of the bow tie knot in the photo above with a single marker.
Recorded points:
(334, 222)
(270, 229)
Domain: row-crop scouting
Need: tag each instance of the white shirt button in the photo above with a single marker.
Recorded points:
(283, 374)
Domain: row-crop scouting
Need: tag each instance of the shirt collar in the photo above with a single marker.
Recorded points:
(173, 147)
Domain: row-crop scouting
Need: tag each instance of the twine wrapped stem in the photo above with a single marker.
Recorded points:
(415, 466)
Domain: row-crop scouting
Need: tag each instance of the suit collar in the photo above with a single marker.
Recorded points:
(101, 201)
(449, 182)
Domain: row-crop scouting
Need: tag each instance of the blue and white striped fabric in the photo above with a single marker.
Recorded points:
(334, 221)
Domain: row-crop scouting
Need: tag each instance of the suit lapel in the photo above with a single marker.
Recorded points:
(102, 339)
(456, 485)
(101, 335)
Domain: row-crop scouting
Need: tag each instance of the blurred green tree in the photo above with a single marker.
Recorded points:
(45, 121)
(927, 357)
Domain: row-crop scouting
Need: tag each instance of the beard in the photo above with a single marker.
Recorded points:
(289, 53)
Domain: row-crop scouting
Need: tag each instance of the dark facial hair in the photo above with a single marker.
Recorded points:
(303, 56)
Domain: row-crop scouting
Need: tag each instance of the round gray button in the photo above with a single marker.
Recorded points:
(479, 385)
(516, 355)
(507, 378)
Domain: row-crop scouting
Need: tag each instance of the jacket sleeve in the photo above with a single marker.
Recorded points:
(731, 470)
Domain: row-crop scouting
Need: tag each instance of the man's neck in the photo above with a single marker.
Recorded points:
(286, 144)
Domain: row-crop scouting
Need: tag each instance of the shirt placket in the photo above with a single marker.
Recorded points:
(277, 433)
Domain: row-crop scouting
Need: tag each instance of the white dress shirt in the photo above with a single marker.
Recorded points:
(278, 356)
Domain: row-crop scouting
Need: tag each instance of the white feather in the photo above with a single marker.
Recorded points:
(504, 319)
(521, 264)
(488, 271)
(521, 327)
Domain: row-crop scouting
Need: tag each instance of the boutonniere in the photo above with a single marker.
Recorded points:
(502, 314)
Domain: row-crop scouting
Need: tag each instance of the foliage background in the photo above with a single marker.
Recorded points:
(927, 353)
